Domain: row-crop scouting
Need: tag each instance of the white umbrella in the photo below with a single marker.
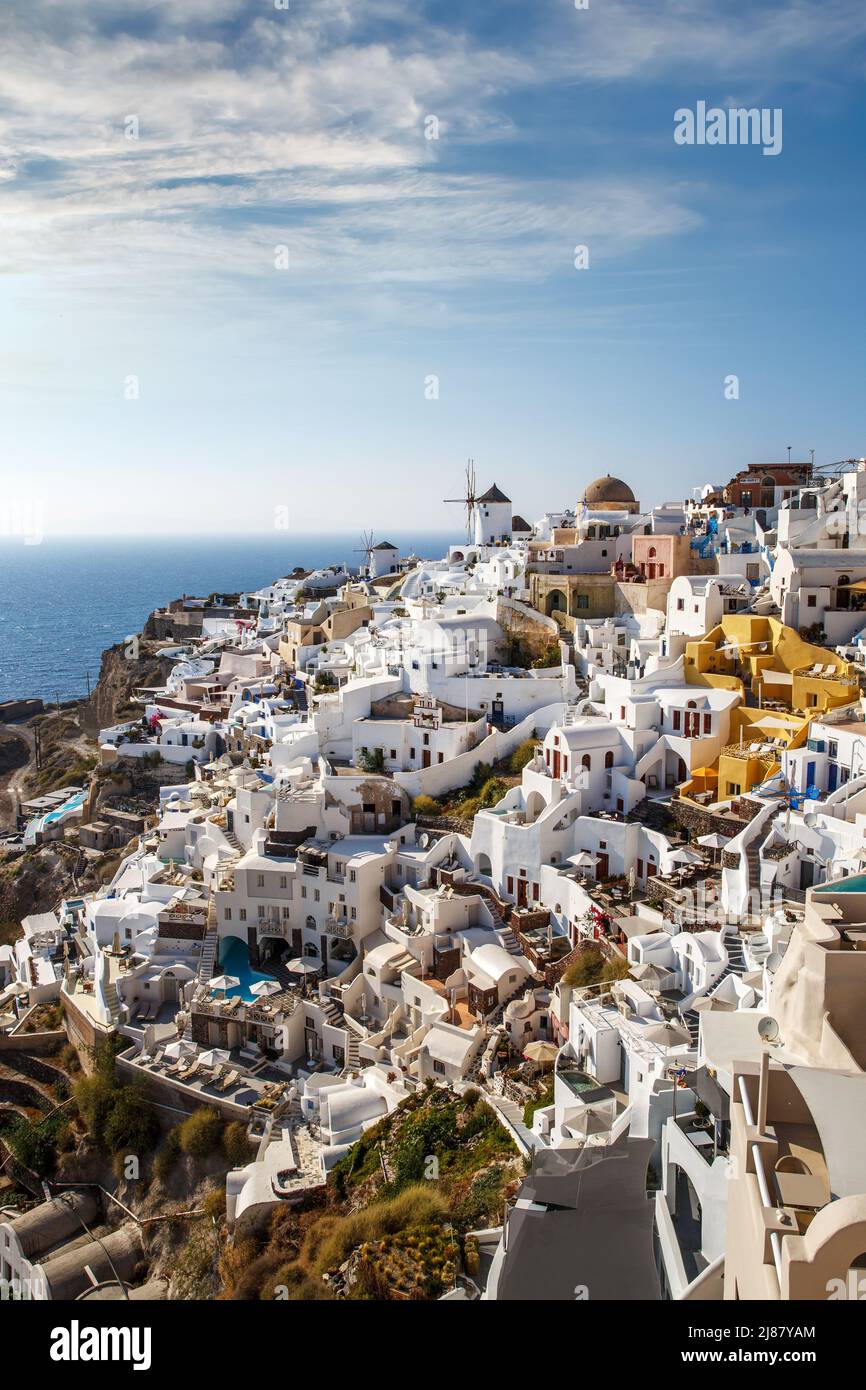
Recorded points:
(181, 1048)
(713, 841)
(214, 1056)
(265, 987)
(667, 1034)
(302, 967)
(225, 982)
(583, 859)
(771, 722)
(685, 856)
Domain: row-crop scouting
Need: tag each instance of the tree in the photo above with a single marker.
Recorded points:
(131, 1127)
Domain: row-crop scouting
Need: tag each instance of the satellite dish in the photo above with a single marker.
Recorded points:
(768, 1030)
(424, 840)
(773, 961)
(810, 819)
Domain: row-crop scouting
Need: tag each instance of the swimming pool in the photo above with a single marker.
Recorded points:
(235, 960)
(855, 884)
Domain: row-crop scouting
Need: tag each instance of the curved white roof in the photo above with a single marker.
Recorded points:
(495, 961)
(354, 1106)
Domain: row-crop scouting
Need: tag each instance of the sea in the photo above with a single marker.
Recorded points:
(64, 601)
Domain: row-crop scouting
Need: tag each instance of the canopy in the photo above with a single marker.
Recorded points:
(181, 1048)
(706, 774)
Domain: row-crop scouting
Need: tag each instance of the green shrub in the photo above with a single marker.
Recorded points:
(333, 1239)
(522, 755)
(131, 1126)
(238, 1149)
(166, 1160)
(201, 1133)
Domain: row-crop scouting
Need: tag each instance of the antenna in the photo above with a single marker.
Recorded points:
(366, 548)
(469, 500)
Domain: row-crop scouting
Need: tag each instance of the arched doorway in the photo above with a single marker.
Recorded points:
(556, 603)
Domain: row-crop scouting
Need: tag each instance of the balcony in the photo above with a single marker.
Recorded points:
(339, 927)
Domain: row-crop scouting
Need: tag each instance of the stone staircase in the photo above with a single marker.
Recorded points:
(753, 858)
(691, 1020)
(112, 999)
(509, 940)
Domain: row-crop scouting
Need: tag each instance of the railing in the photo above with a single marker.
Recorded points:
(775, 1241)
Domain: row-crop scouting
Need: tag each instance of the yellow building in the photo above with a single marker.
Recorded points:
(788, 681)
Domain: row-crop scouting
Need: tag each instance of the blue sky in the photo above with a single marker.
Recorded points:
(260, 388)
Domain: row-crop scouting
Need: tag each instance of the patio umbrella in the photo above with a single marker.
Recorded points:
(181, 1048)
(583, 859)
(298, 966)
(667, 1034)
(262, 988)
(541, 1051)
(685, 856)
(214, 1056)
(713, 841)
(589, 1121)
(650, 972)
(224, 982)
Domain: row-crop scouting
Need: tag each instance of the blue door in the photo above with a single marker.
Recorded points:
(833, 777)
(810, 775)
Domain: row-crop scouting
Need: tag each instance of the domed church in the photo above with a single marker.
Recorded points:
(609, 494)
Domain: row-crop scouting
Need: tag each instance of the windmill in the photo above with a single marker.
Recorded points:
(366, 548)
(469, 500)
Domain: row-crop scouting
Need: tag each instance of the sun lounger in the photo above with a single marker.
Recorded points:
(229, 1081)
(191, 1071)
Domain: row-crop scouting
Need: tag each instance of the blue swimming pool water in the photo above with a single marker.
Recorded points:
(235, 960)
(855, 884)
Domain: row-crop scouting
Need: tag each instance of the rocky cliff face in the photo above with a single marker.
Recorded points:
(119, 676)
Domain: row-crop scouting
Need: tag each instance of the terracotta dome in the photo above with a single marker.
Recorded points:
(609, 490)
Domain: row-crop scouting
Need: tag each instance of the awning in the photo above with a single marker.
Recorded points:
(595, 1229)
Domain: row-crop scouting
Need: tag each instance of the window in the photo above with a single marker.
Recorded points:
(439, 1068)
(243, 914)
(582, 601)
(675, 719)
(833, 749)
(260, 880)
(260, 911)
(681, 603)
(284, 882)
(608, 759)
(708, 723)
(810, 601)
(228, 914)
